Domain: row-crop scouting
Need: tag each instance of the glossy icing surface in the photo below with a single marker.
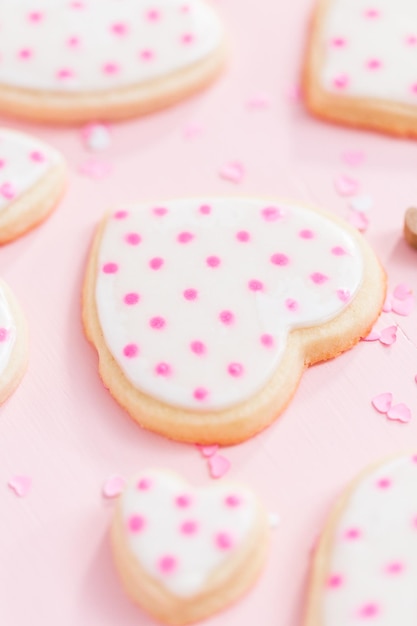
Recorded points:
(85, 45)
(370, 49)
(373, 569)
(181, 535)
(23, 162)
(196, 297)
(7, 332)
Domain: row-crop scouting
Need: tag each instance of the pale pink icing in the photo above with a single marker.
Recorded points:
(8, 332)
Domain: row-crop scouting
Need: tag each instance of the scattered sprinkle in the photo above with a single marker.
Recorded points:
(207, 451)
(113, 486)
(95, 169)
(21, 485)
(218, 466)
(387, 307)
(192, 130)
(359, 220)
(403, 307)
(402, 292)
(400, 412)
(354, 158)
(382, 402)
(234, 172)
(294, 94)
(96, 137)
(388, 335)
(346, 185)
(373, 336)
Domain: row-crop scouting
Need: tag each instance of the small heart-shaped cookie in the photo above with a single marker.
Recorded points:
(32, 181)
(13, 343)
(361, 64)
(75, 61)
(364, 569)
(205, 312)
(185, 553)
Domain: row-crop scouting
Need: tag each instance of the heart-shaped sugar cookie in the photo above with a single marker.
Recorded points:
(73, 61)
(205, 312)
(32, 180)
(13, 343)
(185, 553)
(365, 565)
(361, 65)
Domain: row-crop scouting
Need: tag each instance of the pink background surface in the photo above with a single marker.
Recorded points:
(63, 429)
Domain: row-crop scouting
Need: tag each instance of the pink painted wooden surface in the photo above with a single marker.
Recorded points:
(63, 429)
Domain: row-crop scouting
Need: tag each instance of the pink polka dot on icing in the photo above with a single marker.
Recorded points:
(271, 214)
(120, 215)
(235, 369)
(25, 54)
(147, 54)
(185, 237)
(368, 610)
(73, 42)
(200, 394)
(35, 17)
(205, 209)
(133, 239)
(136, 523)
(160, 211)
(190, 294)
(411, 40)
(163, 369)
(156, 263)
(255, 285)
(2, 163)
(183, 501)
(189, 527)
(227, 317)
(396, 567)
(167, 564)
(110, 268)
(37, 157)
(198, 347)
(153, 15)
(384, 483)
(131, 298)
(111, 69)
(65, 73)
(374, 64)
(338, 251)
(131, 350)
(318, 278)
(187, 38)
(306, 233)
(267, 341)
(3, 335)
(335, 581)
(224, 541)
(120, 29)
(372, 13)
(292, 305)
(343, 295)
(213, 261)
(243, 236)
(280, 259)
(338, 42)
(157, 323)
(352, 534)
(232, 501)
(144, 484)
(341, 81)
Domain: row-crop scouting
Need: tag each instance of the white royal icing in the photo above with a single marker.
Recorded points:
(84, 45)
(181, 535)
(7, 333)
(370, 49)
(196, 298)
(23, 162)
(372, 574)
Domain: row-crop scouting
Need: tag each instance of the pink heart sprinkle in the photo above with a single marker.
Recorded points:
(399, 412)
(402, 291)
(353, 157)
(359, 220)
(373, 336)
(95, 169)
(21, 485)
(345, 185)
(388, 335)
(403, 307)
(233, 172)
(207, 451)
(382, 403)
(218, 466)
(113, 486)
